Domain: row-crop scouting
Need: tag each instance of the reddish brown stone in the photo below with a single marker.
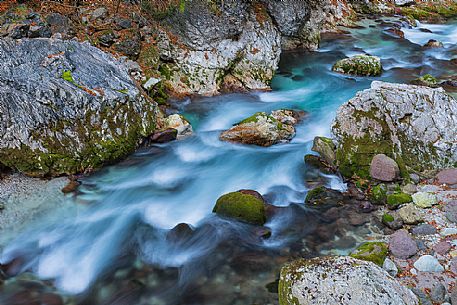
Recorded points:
(447, 176)
(384, 168)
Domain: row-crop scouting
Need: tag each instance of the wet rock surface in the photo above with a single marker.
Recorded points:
(263, 129)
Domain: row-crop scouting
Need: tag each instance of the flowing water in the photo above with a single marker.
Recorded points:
(112, 243)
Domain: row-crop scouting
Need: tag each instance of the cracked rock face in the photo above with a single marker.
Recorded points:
(413, 125)
(236, 45)
(66, 107)
(340, 280)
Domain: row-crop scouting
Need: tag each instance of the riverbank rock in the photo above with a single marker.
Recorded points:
(263, 129)
(447, 176)
(339, 280)
(384, 168)
(424, 200)
(66, 107)
(411, 124)
(428, 263)
(206, 47)
(375, 252)
(241, 205)
(401, 245)
(362, 65)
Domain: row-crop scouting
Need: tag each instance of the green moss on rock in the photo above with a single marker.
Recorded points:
(314, 193)
(378, 194)
(375, 252)
(386, 218)
(100, 138)
(241, 206)
(394, 200)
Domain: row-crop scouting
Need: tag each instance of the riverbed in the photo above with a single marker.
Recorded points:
(114, 243)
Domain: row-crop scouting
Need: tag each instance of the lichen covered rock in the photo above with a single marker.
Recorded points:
(339, 280)
(363, 65)
(66, 107)
(263, 129)
(242, 206)
(413, 125)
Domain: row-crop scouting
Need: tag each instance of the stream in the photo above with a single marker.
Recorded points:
(122, 240)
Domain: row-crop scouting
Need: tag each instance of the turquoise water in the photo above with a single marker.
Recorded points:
(122, 215)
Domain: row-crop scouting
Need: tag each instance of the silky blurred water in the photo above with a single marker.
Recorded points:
(179, 182)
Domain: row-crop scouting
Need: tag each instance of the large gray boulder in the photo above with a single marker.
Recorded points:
(66, 107)
(340, 280)
(210, 46)
(413, 125)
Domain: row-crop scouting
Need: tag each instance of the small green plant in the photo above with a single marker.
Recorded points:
(66, 75)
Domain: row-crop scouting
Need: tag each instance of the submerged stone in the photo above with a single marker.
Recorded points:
(322, 195)
(363, 65)
(426, 80)
(241, 206)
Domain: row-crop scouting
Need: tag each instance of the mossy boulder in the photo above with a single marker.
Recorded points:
(362, 65)
(241, 206)
(396, 199)
(67, 107)
(375, 252)
(413, 125)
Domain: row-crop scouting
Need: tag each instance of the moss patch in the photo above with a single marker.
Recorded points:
(378, 194)
(241, 206)
(386, 218)
(394, 200)
(314, 193)
(375, 252)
